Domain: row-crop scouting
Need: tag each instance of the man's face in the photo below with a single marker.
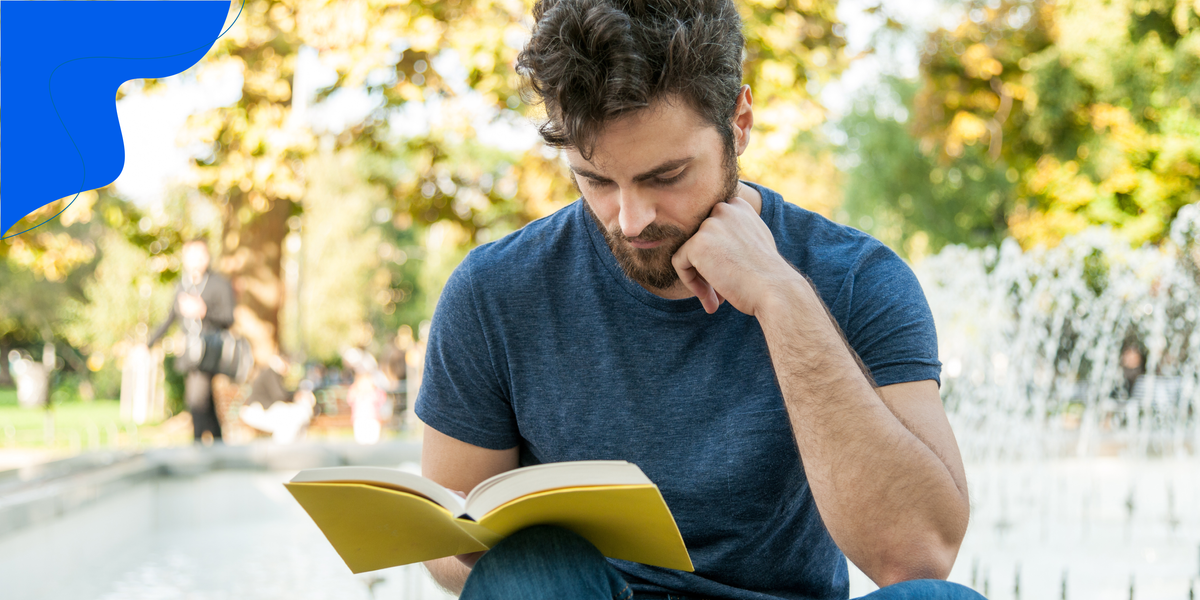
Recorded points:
(653, 178)
(195, 258)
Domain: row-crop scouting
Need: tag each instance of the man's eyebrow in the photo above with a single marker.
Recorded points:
(588, 174)
(666, 167)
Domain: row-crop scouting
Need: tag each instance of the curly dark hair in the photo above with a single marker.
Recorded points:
(592, 61)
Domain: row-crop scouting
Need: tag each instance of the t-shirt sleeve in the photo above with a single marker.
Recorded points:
(887, 320)
(461, 394)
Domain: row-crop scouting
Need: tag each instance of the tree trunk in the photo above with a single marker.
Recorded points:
(251, 256)
(6, 379)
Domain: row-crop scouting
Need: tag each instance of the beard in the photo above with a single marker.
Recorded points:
(651, 267)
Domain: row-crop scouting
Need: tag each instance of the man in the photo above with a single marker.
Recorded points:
(699, 327)
(205, 301)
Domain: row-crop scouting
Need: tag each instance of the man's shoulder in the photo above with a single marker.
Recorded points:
(541, 246)
(512, 280)
(817, 244)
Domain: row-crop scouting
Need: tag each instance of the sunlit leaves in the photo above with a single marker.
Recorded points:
(1090, 100)
(792, 49)
(51, 253)
(442, 176)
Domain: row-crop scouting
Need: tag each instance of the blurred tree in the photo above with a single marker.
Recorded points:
(336, 254)
(94, 280)
(793, 48)
(394, 50)
(438, 75)
(53, 253)
(42, 270)
(908, 198)
(42, 274)
(123, 300)
(1091, 102)
(404, 299)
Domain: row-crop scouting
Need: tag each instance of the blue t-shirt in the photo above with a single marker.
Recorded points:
(540, 341)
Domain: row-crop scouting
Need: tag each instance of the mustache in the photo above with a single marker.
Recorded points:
(651, 233)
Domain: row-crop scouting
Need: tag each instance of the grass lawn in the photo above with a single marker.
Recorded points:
(73, 427)
(76, 426)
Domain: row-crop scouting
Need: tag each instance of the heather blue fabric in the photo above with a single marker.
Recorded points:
(551, 563)
(540, 341)
(544, 563)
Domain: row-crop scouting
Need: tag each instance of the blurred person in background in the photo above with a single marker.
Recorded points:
(773, 372)
(1133, 364)
(414, 362)
(204, 302)
(32, 378)
(392, 362)
(366, 396)
(271, 408)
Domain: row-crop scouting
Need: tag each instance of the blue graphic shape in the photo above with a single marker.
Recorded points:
(63, 63)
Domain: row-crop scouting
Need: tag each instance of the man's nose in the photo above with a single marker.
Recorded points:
(637, 212)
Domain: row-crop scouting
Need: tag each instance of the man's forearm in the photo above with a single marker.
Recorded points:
(889, 501)
(449, 572)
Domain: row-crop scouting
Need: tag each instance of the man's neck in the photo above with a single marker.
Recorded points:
(750, 195)
(680, 291)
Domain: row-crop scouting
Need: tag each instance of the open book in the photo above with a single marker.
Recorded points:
(378, 518)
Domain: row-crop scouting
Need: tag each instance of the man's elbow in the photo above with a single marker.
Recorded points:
(927, 553)
(930, 559)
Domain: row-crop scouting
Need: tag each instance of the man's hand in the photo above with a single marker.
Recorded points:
(458, 465)
(732, 257)
(470, 558)
(192, 307)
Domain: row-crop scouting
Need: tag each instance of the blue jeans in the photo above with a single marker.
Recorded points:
(555, 564)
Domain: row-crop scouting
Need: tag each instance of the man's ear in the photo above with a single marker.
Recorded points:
(743, 119)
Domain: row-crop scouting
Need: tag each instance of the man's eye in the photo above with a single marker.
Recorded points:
(668, 180)
(599, 183)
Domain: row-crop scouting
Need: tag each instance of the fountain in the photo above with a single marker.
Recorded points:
(1089, 348)
(1072, 379)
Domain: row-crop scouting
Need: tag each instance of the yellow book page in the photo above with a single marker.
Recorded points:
(628, 522)
(376, 528)
(485, 536)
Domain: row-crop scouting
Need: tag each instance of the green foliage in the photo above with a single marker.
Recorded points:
(443, 177)
(174, 382)
(42, 270)
(338, 252)
(65, 388)
(383, 213)
(793, 48)
(28, 305)
(907, 198)
(124, 299)
(1095, 272)
(403, 300)
(94, 281)
(1092, 101)
(106, 382)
